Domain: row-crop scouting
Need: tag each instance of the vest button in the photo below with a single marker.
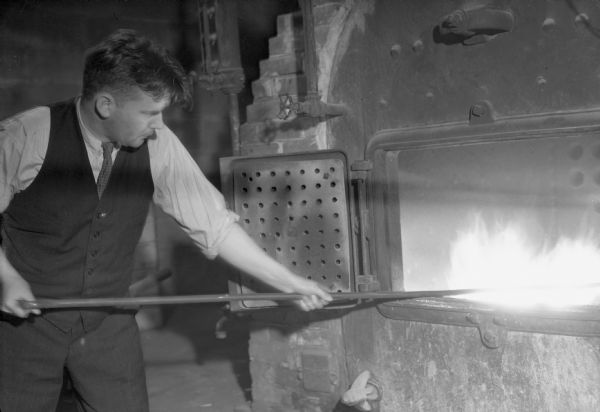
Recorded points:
(94, 253)
(96, 235)
(90, 271)
(101, 215)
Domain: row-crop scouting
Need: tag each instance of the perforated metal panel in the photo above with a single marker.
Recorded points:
(296, 209)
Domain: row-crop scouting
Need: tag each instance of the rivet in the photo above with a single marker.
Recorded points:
(548, 23)
(477, 110)
(540, 80)
(418, 46)
(581, 18)
(395, 51)
(577, 178)
(489, 338)
(576, 152)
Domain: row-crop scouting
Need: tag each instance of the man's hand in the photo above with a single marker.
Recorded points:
(242, 252)
(15, 289)
(315, 297)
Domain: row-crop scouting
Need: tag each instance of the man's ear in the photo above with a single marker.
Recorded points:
(105, 105)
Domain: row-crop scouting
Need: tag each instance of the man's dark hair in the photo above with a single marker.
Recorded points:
(125, 59)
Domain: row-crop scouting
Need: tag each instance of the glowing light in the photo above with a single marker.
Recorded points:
(504, 258)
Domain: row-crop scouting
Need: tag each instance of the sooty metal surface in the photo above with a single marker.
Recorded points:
(295, 207)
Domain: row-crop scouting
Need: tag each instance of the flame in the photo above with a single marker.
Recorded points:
(506, 259)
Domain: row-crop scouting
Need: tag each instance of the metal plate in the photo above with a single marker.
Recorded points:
(295, 207)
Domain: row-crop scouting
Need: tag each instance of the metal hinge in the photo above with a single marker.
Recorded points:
(366, 281)
(492, 329)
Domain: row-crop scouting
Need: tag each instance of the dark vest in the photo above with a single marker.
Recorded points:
(59, 236)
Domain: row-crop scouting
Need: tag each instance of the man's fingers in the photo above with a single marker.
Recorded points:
(312, 302)
(15, 309)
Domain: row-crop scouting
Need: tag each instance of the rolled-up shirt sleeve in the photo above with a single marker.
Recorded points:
(23, 145)
(182, 191)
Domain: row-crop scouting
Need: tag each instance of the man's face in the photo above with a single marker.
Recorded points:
(135, 118)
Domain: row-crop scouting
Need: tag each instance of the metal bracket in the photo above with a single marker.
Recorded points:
(481, 112)
(491, 329)
(312, 106)
(366, 281)
(226, 80)
(476, 26)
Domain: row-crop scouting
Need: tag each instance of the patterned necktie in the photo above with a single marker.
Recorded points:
(107, 148)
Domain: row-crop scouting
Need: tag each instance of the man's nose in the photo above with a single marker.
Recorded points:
(157, 122)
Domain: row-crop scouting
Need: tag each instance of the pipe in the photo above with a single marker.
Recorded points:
(191, 299)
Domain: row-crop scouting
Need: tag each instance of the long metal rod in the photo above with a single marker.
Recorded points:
(191, 299)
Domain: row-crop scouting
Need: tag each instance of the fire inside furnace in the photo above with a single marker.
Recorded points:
(524, 273)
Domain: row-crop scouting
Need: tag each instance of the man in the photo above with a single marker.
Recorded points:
(76, 179)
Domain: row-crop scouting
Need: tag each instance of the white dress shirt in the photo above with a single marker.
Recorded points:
(180, 188)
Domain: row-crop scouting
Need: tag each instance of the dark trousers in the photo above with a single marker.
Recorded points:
(105, 365)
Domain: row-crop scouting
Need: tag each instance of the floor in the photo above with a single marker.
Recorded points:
(191, 365)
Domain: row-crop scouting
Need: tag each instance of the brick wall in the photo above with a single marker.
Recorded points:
(297, 360)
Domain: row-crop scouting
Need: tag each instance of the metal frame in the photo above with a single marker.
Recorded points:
(295, 206)
(492, 322)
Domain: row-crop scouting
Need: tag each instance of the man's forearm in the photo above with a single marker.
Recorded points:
(242, 252)
(6, 269)
(14, 289)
